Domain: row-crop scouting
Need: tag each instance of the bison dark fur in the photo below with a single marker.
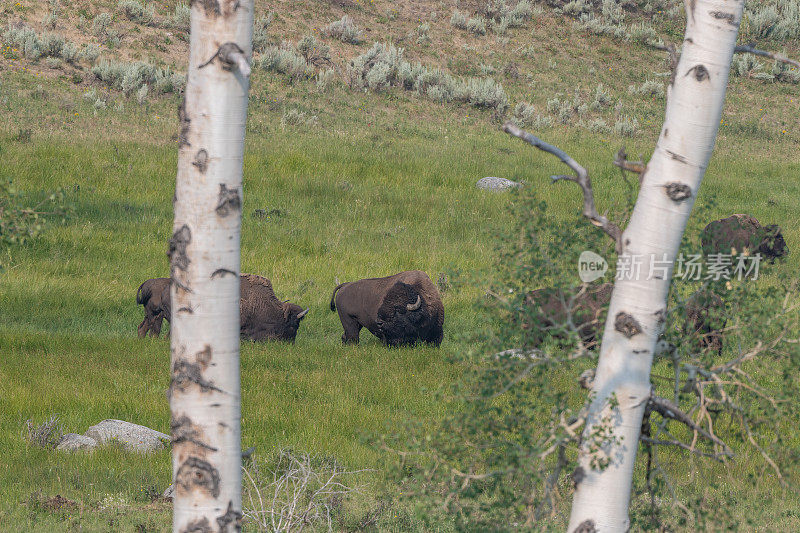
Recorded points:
(586, 310)
(151, 294)
(262, 315)
(740, 232)
(705, 320)
(402, 309)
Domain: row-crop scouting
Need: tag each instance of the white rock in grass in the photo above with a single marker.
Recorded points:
(133, 437)
(169, 493)
(72, 442)
(496, 184)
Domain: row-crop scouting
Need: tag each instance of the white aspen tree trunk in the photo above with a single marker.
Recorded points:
(638, 306)
(204, 255)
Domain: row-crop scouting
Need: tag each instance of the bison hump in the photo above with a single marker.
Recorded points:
(256, 280)
(398, 296)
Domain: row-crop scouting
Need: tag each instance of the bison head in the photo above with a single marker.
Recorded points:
(292, 315)
(773, 244)
(402, 316)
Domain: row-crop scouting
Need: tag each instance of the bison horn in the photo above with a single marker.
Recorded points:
(416, 305)
(303, 313)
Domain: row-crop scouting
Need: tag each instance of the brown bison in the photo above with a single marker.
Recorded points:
(586, 307)
(705, 320)
(738, 233)
(262, 315)
(153, 294)
(703, 325)
(400, 310)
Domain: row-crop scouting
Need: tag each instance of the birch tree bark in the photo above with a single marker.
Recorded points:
(204, 256)
(669, 186)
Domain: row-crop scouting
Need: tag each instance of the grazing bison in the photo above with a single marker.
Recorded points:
(400, 310)
(587, 309)
(262, 315)
(703, 325)
(153, 294)
(740, 232)
(705, 319)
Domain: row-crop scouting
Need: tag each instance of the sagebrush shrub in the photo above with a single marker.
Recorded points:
(296, 117)
(784, 72)
(601, 97)
(102, 24)
(486, 93)
(524, 114)
(90, 52)
(141, 94)
(458, 20)
(324, 79)
(285, 61)
(383, 66)
(598, 125)
(260, 32)
(645, 34)
(137, 12)
(181, 18)
(745, 65)
(313, 50)
(345, 30)
(477, 25)
(626, 126)
(132, 77)
(651, 88)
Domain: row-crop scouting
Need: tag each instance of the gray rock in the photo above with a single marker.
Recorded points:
(133, 437)
(496, 184)
(73, 442)
(169, 493)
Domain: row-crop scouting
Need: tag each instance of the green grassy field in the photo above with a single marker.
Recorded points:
(383, 183)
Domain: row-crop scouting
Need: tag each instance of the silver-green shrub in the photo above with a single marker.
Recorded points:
(137, 12)
(181, 18)
(626, 126)
(477, 25)
(345, 30)
(650, 88)
(458, 20)
(260, 32)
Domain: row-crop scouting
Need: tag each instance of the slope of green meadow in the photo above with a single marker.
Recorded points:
(382, 182)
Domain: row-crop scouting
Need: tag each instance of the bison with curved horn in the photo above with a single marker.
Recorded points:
(400, 310)
(262, 315)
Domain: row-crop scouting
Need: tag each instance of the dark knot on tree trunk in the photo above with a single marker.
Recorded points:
(627, 325)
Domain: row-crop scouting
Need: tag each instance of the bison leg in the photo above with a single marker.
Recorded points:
(143, 327)
(155, 330)
(352, 329)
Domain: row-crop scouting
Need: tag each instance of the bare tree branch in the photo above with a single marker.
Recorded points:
(687, 447)
(751, 49)
(582, 179)
(621, 160)
(667, 409)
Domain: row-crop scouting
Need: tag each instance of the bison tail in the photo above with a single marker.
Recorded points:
(333, 296)
(140, 298)
(144, 293)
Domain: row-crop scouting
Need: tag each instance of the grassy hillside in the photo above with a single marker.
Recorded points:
(340, 182)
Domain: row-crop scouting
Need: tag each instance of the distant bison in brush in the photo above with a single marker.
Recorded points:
(703, 324)
(262, 315)
(402, 309)
(586, 310)
(705, 320)
(152, 294)
(740, 232)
